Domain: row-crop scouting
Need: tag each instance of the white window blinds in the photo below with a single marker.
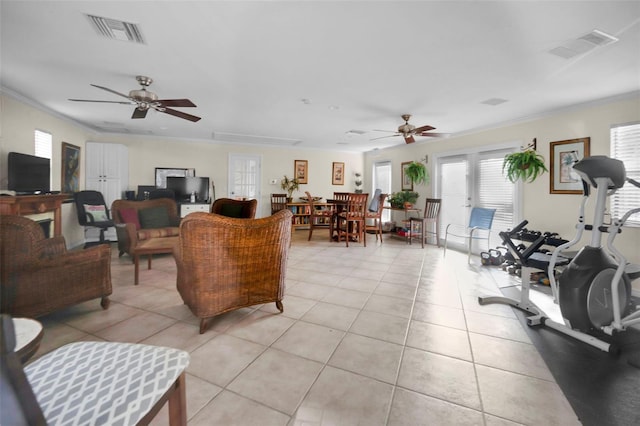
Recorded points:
(625, 146)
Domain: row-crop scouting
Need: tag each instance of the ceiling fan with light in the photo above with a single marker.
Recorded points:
(408, 131)
(144, 100)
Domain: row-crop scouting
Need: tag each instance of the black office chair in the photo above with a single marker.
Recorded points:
(93, 211)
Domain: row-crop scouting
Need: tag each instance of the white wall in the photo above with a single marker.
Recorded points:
(544, 211)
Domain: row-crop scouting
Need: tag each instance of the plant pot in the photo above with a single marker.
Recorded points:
(408, 205)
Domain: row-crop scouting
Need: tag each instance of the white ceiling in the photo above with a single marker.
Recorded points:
(359, 65)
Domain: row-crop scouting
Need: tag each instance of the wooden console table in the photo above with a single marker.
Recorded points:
(23, 205)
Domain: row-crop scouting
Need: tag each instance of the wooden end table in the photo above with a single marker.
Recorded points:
(150, 247)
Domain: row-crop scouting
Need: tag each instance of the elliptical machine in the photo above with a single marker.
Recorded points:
(594, 290)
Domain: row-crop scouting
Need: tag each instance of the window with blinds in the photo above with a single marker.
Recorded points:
(625, 146)
(44, 148)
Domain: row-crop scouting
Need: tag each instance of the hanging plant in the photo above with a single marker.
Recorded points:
(526, 165)
(417, 173)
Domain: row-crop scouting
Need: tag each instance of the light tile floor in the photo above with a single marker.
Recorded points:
(390, 334)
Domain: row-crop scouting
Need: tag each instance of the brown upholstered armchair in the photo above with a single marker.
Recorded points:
(131, 228)
(228, 263)
(245, 209)
(40, 276)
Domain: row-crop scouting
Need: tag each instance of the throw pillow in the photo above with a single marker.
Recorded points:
(231, 210)
(130, 215)
(96, 213)
(154, 217)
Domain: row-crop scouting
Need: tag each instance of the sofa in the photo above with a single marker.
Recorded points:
(137, 221)
(38, 275)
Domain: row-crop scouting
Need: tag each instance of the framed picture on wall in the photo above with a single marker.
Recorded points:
(562, 179)
(407, 184)
(162, 173)
(70, 175)
(301, 171)
(337, 174)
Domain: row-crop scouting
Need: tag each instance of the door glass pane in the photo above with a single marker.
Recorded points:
(244, 177)
(453, 192)
(382, 180)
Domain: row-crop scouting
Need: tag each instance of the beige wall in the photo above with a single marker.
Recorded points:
(543, 210)
(145, 154)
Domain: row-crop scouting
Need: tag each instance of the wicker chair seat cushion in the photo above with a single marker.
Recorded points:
(154, 217)
(169, 231)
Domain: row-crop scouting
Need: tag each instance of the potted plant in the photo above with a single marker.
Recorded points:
(403, 199)
(358, 183)
(289, 185)
(417, 173)
(526, 165)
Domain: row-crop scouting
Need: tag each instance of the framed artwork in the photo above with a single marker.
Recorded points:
(70, 168)
(564, 154)
(337, 174)
(301, 170)
(407, 184)
(163, 172)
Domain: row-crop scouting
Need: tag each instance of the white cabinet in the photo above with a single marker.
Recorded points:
(107, 169)
(185, 209)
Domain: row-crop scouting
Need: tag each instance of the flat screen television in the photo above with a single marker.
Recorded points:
(184, 186)
(28, 174)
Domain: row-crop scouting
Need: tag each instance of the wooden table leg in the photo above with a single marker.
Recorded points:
(178, 403)
(136, 262)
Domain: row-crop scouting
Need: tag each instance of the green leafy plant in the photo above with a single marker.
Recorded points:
(417, 173)
(526, 165)
(397, 199)
(289, 185)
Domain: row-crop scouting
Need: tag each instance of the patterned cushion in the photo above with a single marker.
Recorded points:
(96, 213)
(94, 383)
(130, 215)
(154, 217)
(145, 234)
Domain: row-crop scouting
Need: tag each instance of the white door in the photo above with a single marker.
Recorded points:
(382, 179)
(244, 177)
(474, 179)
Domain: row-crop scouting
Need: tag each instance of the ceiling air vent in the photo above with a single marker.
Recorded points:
(117, 30)
(583, 44)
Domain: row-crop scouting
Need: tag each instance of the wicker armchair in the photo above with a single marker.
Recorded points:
(40, 276)
(228, 263)
(245, 209)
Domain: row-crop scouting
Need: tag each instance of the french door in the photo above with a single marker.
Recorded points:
(382, 180)
(244, 177)
(474, 179)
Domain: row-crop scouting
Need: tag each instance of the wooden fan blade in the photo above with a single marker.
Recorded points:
(104, 102)
(179, 114)
(139, 113)
(111, 91)
(423, 129)
(433, 135)
(409, 139)
(184, 103)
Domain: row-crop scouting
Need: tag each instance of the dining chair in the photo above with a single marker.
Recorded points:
(278, 202)
(431, 217)
(91, 383)
(351, 221)
(319, 217)
(375, 217)
(478, 228)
